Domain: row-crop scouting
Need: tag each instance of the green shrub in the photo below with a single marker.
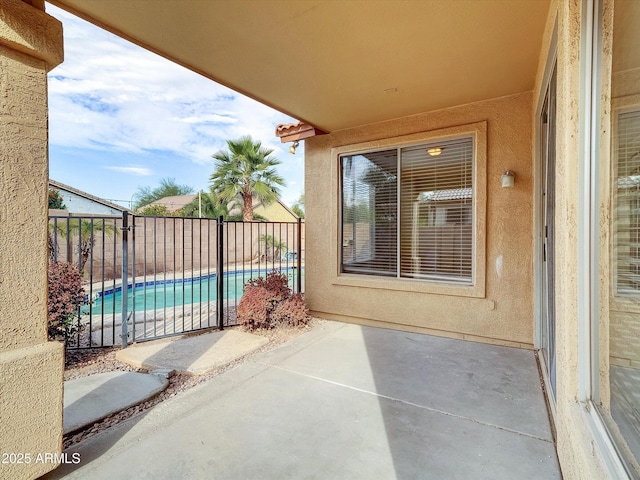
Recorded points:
(65, 298)
(155, 211)
(269, 302)
(55, 199)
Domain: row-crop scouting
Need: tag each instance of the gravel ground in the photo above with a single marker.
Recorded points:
(88, 362)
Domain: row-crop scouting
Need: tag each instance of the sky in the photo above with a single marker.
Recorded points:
(121, 117)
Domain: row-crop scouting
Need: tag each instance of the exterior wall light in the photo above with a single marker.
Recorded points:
(434, 152)
(292, 148)
(508, 178)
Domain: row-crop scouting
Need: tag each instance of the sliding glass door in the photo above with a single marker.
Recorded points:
(548, 160)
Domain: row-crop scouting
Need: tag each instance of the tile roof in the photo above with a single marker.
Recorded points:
(175, 202)
(446, 195)
(629, 182)
(290, 132)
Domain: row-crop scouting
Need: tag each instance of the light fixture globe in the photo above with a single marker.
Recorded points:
(508, 179)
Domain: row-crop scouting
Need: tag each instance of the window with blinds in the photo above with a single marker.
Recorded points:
(627, 205)
(369, 213)
(415, 224)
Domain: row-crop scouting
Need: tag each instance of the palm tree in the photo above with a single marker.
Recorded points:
(167, 188)
(274, 247)
(246, 169)
(82, 230)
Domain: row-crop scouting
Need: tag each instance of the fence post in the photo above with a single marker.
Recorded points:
(132, 229)
(124, 279)
(220, 272)
(299, 256)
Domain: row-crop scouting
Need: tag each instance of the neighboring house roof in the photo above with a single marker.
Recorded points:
(175, 202)
(61, 186)
(447, 195)
(629, 182)
(264, 210)
(275, 212)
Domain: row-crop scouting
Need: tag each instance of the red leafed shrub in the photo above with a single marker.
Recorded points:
(254, 307)
(66, 295)
(269, 302)
(276, 283)
(291, 311)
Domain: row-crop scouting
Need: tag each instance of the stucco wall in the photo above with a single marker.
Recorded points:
(504, 312)
(581, 441)
(573, 439)
(30, 367)
(275, 212)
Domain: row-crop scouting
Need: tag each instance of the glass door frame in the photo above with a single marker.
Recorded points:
(540, 179)
(588, 235)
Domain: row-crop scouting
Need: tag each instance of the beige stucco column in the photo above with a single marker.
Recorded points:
(31, 368)
(578, 448)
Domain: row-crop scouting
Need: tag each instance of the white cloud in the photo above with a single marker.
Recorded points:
(213, 118)
(112, 96)
(117, 95)
(140, 171)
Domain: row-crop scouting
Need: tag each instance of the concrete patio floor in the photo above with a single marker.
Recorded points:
(343, 401)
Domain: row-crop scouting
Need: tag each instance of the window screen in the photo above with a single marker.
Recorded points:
(627, 213)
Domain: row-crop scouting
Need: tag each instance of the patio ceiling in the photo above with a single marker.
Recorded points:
(340, 64)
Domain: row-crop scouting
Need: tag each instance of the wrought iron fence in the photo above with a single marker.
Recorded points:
(152, 277)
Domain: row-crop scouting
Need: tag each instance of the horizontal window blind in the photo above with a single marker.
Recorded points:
(627, 212)
(436, 211)
(369, 213)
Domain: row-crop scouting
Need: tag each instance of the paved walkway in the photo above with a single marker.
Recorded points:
(92, 398)
(343, 401)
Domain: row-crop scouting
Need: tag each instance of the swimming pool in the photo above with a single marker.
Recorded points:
(168, 293)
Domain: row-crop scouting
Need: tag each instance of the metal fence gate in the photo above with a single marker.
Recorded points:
(152, 277)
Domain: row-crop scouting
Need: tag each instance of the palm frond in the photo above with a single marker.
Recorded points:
(246, 169)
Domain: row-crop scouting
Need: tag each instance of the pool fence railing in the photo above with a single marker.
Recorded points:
(152, 277)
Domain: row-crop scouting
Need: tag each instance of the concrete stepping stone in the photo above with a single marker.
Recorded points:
(92, 398)
(195, 355)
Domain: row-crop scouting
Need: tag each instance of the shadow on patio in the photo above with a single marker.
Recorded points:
(344, 401)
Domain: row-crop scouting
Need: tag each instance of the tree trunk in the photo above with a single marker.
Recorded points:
(85, 250)
(51, 244)
(247, 209)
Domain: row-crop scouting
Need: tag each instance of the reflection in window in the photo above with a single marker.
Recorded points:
(620, 397)
(369, 204)
(627, 213)
(433, 238)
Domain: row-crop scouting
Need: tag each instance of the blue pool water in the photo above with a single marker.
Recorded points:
(169, 293)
